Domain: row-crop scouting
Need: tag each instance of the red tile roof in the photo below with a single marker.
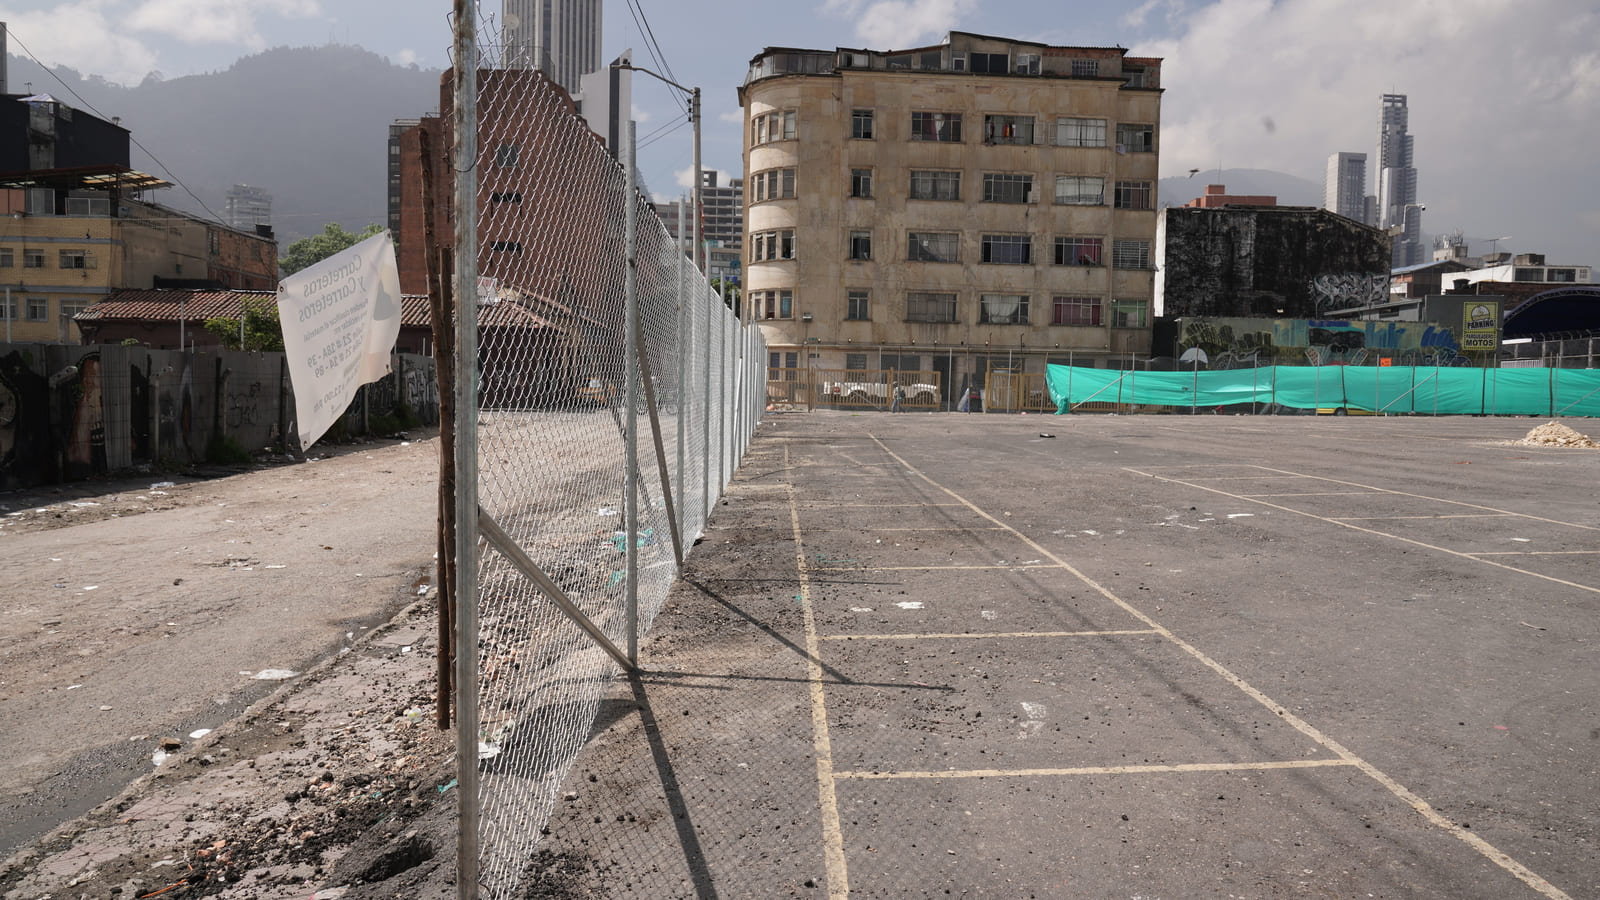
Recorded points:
(198, 306)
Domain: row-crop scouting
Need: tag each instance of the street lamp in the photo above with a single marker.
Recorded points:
(694, 119)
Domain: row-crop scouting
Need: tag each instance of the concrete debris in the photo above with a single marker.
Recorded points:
(1555, 434)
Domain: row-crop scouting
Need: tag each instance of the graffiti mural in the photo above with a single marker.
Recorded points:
(1264, 341)
(70, 411)
(1345, 290)
(24, 417)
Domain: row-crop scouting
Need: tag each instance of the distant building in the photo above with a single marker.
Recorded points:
(721, 225)
(1217, 196)
(560, 38)
(396, 129)
(248, 208)
(77, 228)
(1525, 268)
(1396, 184)
(1272, 262)
(979, 203)
(1422, 279)
(1344, 190)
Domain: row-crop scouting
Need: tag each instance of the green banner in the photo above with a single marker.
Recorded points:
(1426, 390)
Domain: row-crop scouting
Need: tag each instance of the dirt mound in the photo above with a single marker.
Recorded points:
(1555, 434)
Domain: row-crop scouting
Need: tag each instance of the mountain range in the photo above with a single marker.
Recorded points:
(310, 126)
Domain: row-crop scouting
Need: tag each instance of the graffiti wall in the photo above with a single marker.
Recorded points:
(69, 412)
(1287, 341)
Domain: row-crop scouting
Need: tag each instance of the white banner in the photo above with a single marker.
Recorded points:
(341, 318)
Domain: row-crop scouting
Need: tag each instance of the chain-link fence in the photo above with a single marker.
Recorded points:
(616, 394)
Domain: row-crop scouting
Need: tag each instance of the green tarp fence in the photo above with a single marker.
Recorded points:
(1425, 390)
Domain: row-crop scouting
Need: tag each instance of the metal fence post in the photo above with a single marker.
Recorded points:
(722, 399)
(631, 318)
(685, 327)
(466, 636)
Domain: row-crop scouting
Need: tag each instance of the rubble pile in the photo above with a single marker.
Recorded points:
(1555, 434)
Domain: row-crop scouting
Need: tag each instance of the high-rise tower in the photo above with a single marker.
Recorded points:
(560, 38)
(1345, 189)
(1397, 182)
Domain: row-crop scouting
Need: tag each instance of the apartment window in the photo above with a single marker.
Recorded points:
(856, 308)
(1128, 314)
(1563, 275)
(1086, 68)
(1080, 251)
(33, 259)
(769, 245)
(1003, 187)
(6, 259)
(38, 309)
(505, 156)
(1135, 76)
(1134, 195)
(1003, 309)
(926, 307)
(772, 126)
(936, 126)
(773, 184)
(861, 124)
(934, 247)
(1080, 132)
(1008, 129)
(855, 362)
(77, 259)
(1076, 311)
(928, 185)
(1130, 254)
(1080, 190)
(992, 63)
(861, 182)
(773, 304)
(1008, 249)
(71, 308)
(8, 310)
(1133, 138)
(860, 245)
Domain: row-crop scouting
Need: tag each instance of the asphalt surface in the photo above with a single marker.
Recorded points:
(1144, 657)
(946, 655)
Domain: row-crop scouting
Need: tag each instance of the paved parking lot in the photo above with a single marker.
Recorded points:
(1152, 657)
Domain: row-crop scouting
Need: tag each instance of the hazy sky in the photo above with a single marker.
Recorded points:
(1504, 94)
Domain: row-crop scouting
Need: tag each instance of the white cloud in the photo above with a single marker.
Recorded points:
(732, 117)
(81, 36)
(215, 21)
(405, 57)
(895, 24)
(1501, 97)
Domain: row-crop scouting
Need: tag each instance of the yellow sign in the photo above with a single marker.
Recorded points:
(1481, 321)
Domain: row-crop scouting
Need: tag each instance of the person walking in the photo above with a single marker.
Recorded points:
(899, 397)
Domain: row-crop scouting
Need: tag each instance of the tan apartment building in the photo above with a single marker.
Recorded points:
(983, 204)
(63, 251)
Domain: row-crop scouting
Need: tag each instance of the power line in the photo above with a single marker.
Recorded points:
(135, 141)
(652, 47)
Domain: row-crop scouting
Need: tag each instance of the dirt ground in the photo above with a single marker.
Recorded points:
(966, 655)
(137, 614)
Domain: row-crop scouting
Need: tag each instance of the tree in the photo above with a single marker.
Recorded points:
(319, 247)
(262, 330)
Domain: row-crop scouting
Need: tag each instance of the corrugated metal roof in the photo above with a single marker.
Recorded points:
(198, 306)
